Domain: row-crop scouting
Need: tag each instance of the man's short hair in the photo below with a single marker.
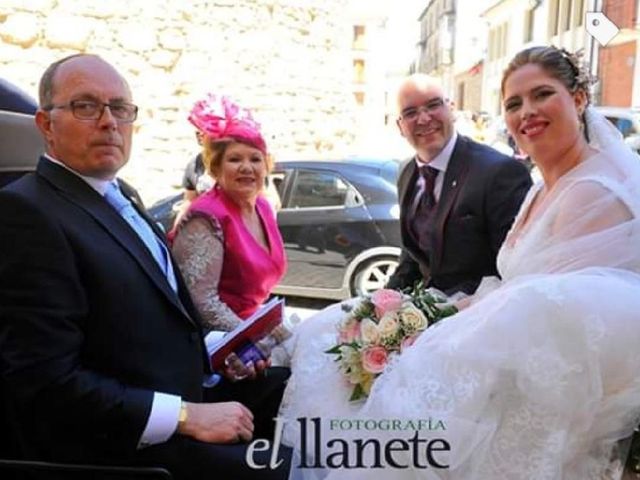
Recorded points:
(45, 89)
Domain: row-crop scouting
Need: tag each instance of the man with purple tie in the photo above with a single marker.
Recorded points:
(457, 197)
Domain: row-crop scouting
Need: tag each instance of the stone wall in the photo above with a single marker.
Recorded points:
(287, 60)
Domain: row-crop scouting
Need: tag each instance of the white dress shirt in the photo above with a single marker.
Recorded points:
(440, 162)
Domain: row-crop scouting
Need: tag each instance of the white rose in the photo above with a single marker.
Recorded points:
(357, 375)
(388, 325)
(351, 365)
(412, 318)
(369, 331)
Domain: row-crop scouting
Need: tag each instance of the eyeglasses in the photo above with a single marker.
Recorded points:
(411, 114)
(123, 112)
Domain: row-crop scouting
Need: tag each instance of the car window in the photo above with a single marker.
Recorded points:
(623, 124)
(314, 188)
(277, 179)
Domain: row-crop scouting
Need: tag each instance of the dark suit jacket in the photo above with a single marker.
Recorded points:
(481, 194)
(89, 327)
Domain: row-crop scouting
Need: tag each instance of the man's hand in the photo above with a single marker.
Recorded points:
(226, 422)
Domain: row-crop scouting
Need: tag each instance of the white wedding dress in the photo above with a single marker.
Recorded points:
(540, 377)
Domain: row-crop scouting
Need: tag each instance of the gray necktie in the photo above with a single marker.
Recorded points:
(123, 206)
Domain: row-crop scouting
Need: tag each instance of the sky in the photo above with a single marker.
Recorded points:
(403, 31)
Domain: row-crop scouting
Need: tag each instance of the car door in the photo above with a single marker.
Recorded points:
(321, 220)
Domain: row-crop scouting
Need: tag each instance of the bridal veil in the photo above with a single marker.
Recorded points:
(538, 378)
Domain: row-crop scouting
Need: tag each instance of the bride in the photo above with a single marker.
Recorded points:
(539, 376)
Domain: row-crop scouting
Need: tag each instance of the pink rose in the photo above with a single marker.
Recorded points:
(386, 300)
(374, 359)
(350, 332)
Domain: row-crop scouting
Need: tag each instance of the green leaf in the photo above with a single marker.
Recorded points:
(335, 350)
(357, 394)
(447, 311)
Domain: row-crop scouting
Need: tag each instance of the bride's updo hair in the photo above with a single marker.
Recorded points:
(557, 62)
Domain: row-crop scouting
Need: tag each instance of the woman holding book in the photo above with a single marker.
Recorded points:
(228, 245)
(538, 377)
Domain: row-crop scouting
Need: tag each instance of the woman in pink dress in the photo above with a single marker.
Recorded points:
(228, 245)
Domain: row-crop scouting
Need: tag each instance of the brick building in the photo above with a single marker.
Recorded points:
(619, 61)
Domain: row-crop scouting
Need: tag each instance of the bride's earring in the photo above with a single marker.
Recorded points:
(582, 125)
(581, 119)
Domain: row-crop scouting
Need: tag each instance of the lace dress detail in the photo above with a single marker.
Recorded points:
(538, 378)
(199, 252)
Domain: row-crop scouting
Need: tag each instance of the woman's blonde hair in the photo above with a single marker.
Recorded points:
(214, 150)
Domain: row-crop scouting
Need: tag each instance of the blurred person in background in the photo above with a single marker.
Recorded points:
(195, 181)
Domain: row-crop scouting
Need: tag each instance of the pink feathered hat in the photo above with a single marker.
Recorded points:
(220, 118)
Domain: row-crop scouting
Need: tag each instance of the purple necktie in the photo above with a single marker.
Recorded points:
(429, 175)
(421, 224)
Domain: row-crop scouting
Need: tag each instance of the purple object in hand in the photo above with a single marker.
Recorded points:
(250, 353)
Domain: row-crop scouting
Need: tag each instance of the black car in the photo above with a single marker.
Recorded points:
(339, 221)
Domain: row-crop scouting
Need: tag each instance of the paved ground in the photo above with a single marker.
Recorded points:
(305, 307)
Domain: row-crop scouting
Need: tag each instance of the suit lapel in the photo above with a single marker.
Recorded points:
(406, 193)
(82, 195)
(131, 194)
(454, 178)
(408, 179)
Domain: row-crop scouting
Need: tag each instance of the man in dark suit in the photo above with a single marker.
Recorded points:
(101, 350)
(458, 198)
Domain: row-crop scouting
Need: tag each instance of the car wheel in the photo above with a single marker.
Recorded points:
(373, 275)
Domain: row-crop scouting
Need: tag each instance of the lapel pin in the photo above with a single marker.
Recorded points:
(454, 183)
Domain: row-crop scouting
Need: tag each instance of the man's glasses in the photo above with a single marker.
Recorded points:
(411, 114)
(92, 110)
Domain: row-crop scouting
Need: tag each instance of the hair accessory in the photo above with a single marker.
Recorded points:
(583, 77)
(220, 118)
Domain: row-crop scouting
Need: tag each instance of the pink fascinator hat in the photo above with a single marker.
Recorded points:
(220, 118)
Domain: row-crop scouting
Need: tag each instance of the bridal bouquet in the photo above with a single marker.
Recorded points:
(380, 326)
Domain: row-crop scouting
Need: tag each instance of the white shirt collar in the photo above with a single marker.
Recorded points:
(441, 161)
(98, 184)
